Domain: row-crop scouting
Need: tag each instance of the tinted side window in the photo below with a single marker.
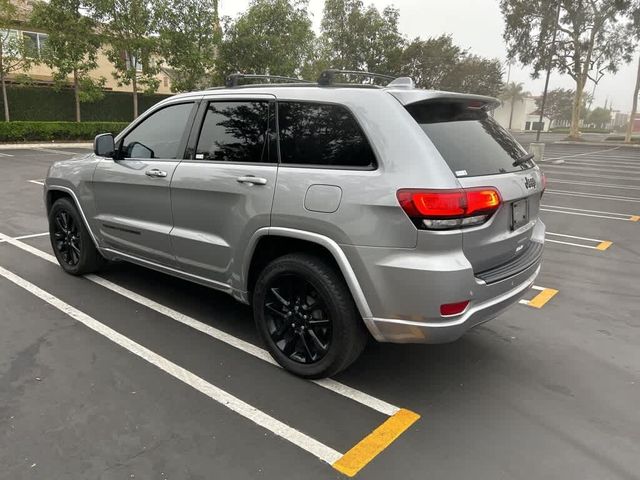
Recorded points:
(321, 134)
(159, 135)
(235, 132)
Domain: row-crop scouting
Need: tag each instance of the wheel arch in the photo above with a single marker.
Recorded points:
(55, 192)
(272, 242)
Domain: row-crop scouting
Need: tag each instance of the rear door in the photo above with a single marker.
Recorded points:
(224, 191)
(481, 153)
(133, 200)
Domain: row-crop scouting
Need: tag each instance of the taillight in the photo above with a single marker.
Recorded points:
(448, 209)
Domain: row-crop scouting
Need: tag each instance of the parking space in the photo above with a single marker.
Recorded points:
(134, 374)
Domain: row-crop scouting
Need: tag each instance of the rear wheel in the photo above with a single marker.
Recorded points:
(70, 239)
(306, 316)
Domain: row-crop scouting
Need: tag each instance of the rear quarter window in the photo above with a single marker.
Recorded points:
(322, 135)
(470, 140)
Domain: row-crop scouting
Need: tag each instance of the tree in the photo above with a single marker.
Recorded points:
(474, 74)
(189, 35)
(591, 39)
(271, 37)
(71, 47)
(14, 54)
(430, 62)
(635, 30)
(559, 104)
(600, 117)
(634, 107)
(357, 38)
(513, 92)
(131, 44)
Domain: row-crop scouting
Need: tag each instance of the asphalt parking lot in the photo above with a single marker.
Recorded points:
(133, 374)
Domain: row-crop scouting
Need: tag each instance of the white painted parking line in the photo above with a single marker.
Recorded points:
(281, 429)
(598, 196)
(37, 182)
(593, 184)
(59, 152)
(601, 245)
(559, 168)
(5, 155)
(541, 299)
(603, 163)
(591, 175)
(581, 154)
(583, 213)
(23, 237)
(330, 384)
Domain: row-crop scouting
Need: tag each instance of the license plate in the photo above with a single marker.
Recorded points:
(519, 214)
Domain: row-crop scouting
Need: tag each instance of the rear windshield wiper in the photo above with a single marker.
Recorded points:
(523, 159)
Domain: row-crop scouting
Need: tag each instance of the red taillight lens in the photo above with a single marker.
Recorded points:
(445, 209)
(453, 308)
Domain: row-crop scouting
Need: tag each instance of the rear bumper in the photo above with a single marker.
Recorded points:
(406, 331)
(405, 288)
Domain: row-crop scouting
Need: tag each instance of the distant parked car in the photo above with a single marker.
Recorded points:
(337, 211)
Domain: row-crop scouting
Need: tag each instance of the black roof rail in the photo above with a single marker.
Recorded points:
(233, 79)
(327, 77)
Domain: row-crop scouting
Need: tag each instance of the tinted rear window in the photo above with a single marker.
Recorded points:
(323, 135)
(470, 141)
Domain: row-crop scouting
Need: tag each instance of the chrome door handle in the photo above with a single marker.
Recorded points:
(154, 172)
(252, 180)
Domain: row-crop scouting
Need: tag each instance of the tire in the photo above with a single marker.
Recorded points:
(325, 311)
(70, 239)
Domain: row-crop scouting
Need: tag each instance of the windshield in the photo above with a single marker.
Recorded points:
(470, 141)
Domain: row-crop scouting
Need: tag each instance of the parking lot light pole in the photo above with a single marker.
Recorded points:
(549, 66)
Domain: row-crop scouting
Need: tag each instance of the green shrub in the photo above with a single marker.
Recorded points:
(46, 131)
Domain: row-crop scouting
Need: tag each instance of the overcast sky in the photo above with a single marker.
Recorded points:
(478, 26)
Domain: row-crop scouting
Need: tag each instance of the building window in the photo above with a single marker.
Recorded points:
(132, 62)
(34, 42)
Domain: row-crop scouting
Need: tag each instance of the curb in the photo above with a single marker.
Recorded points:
(28, 146)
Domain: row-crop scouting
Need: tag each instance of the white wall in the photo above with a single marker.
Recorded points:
(521, 114)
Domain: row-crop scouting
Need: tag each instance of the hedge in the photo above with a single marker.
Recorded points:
(44, 131)
(30, 103)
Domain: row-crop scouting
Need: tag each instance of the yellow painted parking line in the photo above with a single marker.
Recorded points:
(540, 299)
(603, 245)
(369, 447)
(635, 218)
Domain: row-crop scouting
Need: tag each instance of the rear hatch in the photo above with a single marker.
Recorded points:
(481, 153)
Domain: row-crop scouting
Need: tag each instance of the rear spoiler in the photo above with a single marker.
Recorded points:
(410, 96)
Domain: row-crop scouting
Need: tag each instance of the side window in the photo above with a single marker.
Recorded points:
(159, 135)
(322, 134)
(235, 131)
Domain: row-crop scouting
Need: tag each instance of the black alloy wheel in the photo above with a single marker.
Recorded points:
(66, 236)
(297, 319)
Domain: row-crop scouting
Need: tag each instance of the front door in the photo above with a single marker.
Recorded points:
(222, 195)
(133, 200)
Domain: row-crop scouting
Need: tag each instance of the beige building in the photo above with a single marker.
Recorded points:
(40, 74)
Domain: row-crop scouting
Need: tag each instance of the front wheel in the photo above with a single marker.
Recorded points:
(71, 241)
(306, 316)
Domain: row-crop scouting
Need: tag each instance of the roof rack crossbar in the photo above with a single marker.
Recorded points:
(233, 79)
(327, 77)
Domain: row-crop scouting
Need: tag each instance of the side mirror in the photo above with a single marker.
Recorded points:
(104, 145)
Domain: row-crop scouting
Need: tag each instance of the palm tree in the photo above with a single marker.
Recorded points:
(513, 92)
(634, 108)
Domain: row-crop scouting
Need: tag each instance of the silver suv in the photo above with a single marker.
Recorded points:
(337, 211)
